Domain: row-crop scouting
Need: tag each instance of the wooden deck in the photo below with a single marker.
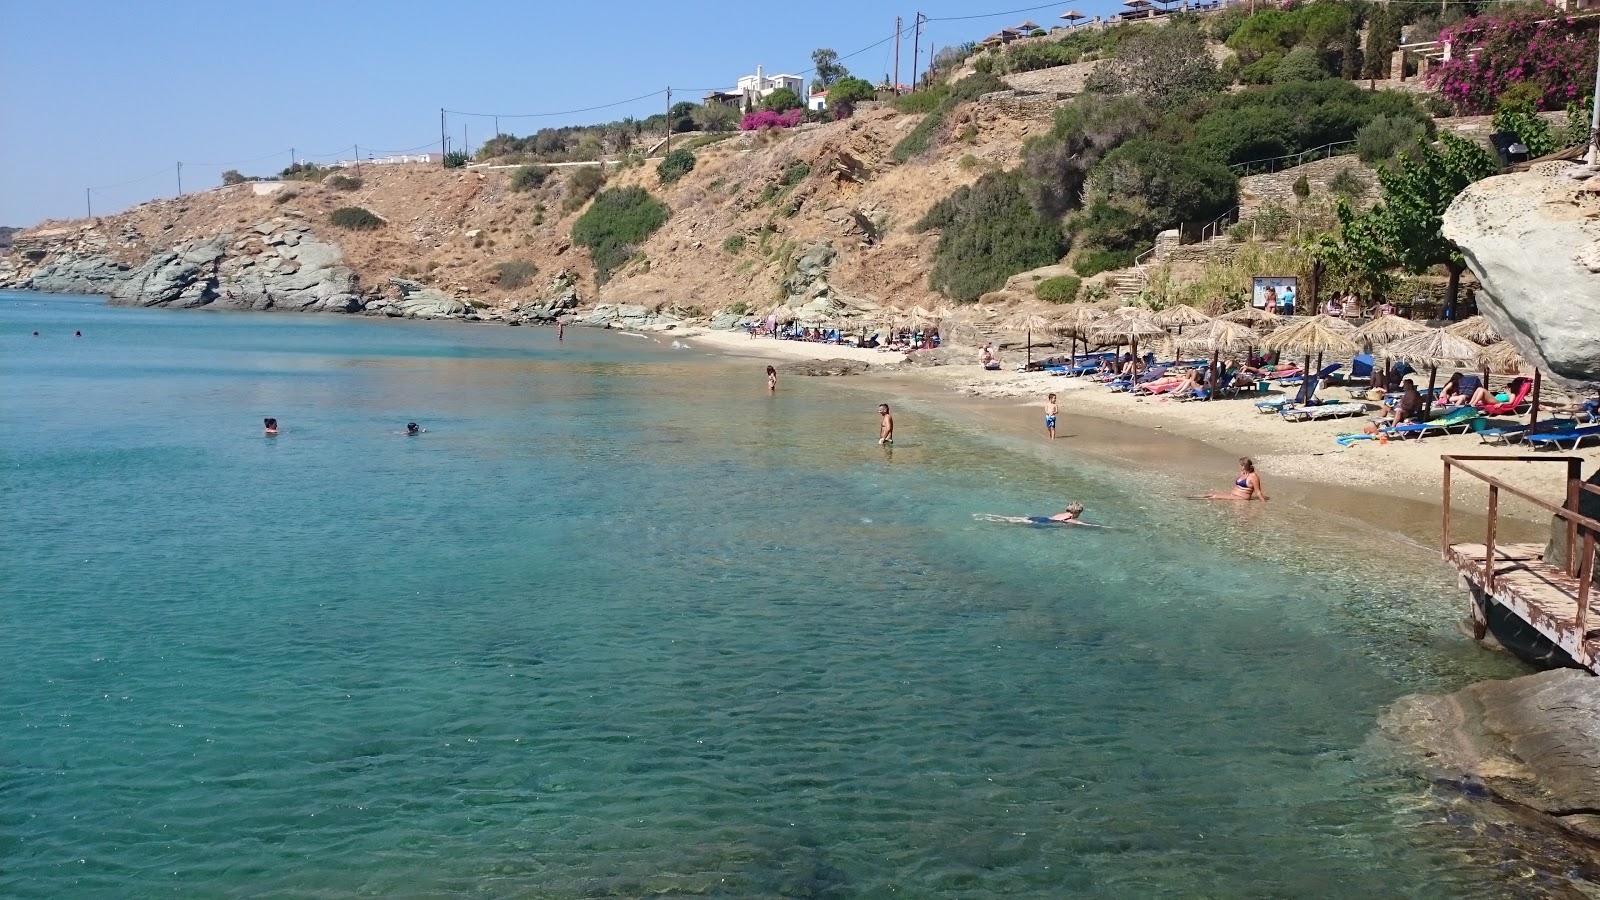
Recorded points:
(1544, 596)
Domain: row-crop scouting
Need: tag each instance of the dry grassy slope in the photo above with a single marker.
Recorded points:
(449, 228)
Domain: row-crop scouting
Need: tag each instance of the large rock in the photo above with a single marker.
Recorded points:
(422, 302)
(71, 273)
(822, 367)
(1533, 741)
(1532, 241)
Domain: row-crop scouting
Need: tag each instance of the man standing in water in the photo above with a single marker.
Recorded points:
(1050, 410)
(886, 429)
(561, 331)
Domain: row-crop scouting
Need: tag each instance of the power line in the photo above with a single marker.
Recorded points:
(567, 112)
(996, 15)
(133, 180)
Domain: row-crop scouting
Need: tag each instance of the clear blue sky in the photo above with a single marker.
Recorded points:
(100, 93)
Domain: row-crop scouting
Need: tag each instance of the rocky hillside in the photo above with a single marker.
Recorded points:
(816, 212)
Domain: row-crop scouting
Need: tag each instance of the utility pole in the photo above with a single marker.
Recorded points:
(358, 160)
(291, 157)
(444, 149)
(496, 126)
(896, 85)
(88, 203)
(669, 116)
(916, 46)
(180, 179)
(464, 144)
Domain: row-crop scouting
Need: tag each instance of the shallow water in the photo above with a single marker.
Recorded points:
(621, 624)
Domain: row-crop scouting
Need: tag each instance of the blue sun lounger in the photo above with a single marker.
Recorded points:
(1323, 411)
(1458, 419)
(1573, 436)
(1507, 434)
(1302, 397)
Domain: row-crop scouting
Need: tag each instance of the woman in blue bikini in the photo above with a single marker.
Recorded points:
(1246, 487)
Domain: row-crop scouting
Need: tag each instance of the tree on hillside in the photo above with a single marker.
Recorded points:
(782, 100)
(825, 63)
(1165, 67)
(988, 232)
(715, 117)
(1057, 164)
(851, 90)
(1408, 221)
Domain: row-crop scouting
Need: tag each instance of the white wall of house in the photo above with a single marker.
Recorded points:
(817, 102)
(757, 87)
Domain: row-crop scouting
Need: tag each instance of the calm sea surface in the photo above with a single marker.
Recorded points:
(620, 624)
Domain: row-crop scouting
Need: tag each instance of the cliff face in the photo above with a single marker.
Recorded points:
(452, 236)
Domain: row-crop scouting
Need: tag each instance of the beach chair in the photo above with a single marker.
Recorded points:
(1517, 404)
(1323, 411)
(1148, 375)
(1574, 436)
(1460, 419)
(1303, 397)
(1508, 434)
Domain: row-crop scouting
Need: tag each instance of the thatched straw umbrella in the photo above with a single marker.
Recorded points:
(1335, 324)
(1259, 319)
(1476, 329)
(1383, 331)
(1434, 348)
(1309, 338)
(1217, 337)
(1078, 322)
(1181, 315)
(1126, 326)
(1028, 320)
(1505, 359)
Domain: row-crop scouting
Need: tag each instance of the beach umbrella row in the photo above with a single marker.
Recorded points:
(1434, 347)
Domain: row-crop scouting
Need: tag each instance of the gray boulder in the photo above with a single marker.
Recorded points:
(725, 321)
(1532, 241)
(72, 273)
(419, 301)
(824, 367)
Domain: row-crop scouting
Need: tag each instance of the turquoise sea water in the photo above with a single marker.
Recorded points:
(621, 624)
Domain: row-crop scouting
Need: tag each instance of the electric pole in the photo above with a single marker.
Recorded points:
(444, 149)
(896, 85)
(180, 179)
(916, 46)
(496, 126)
(88, 203)
(465, 147)
(358, 160)
(291, 157)
(669, 116)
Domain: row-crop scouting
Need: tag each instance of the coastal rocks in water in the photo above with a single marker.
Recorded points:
(627, 316)
(1532, 240)
(561, 296)
(823, 367)
(1533, 741)
(70, 273)
(418, 301)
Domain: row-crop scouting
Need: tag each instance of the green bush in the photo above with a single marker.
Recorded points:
(1383, 138)
(456, 159)
(529, 178)
(582, 184)
(795, 173)
(1301, 187)
(1093, 262)
(782, 100)
(354, 218)
(619, 219)
(1531, 130)
(305, 172)
(674, 166)
(920, 139)
(921, 101)
(342, 182)
(851, 90)
(515, 273)
(1346, 183)
(1301, 64)
(1060, 289)
(733, 243)
(974, 86)
(988, 232)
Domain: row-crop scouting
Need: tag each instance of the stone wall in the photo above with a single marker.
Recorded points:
(1256, 191)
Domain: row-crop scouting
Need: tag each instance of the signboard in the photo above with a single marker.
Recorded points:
(1275, 293)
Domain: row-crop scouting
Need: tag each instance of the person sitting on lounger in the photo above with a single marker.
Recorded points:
(1480, 398)
(1191, 384)
(987, 358)
(1450, 394)
(1407, 409)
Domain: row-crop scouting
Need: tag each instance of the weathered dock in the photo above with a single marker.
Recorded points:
(1554, 598)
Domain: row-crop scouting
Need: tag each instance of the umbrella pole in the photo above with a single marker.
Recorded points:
(1211, 387)
(1030, 346)
(1533, 414)
(1427, 402)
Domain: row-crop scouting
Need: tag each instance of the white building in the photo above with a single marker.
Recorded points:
(752, 89)
(817, 102)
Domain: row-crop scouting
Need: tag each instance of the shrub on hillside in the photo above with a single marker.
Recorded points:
(782, 100)
(354, 218)
(456, 159)
(1301, 187)
(515, 273)
(674, 166)
(921, 101)
(304, 172)
(850, 90)
(1172, 185)
(1383, 138)
(974, 86)
(1164, 67)
(1301, 64)
(1525, 43)
(1093, 262)
(733, 243)
(1346, 183)
(342, 182)
(528, 178)
(988, 232)
(1060, 289)
(619, 219)
(766, 118)
(582, 184)
(1521, 120)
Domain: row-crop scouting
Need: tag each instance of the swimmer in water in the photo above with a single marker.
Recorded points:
(77, 334)
(271, 425)
(886, 427)
(1072, 515)
(412, 429)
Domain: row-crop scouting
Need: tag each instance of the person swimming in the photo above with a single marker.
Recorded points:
(270, 425)
(412, 429)
(1072, 516)
(1073, 513)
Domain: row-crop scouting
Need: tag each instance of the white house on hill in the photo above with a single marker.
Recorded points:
(752, 89)
(817, 102)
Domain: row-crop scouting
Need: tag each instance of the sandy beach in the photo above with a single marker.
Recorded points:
(1300, 451)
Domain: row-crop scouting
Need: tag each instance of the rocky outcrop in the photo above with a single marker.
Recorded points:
(627, 316)
(560, 298)
(824, 367)
(414, 300)
(1533, 241)
(1532, 741)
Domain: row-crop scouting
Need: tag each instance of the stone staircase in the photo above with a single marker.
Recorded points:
(1126, 284)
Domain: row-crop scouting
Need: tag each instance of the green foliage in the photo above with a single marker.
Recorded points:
(782, 100)
(921, 102)
(851, 90)
(1060, 289)
(1518, 116)
(1270, 223)
(354, 218)
(456, 159)
(1301, 64)
(974, 86)
(1315, 27)
(582, 184)
(1301, 187)
(988, 231)
(515, 273)
(1520, 95)
(304, 172)
(1058, 163)
(1382, 139)
(1164, 67)
(733, 243)
(1577, 128)
(1346, 183)
(825, 63)
(528, 178)
(618, 219)
(795, 172)
(342, 182)
(674, 166)
(233, 176)
(920, 139)
(1093, 262)
(1262, 71)
(1291, 118)
(1168, 183)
